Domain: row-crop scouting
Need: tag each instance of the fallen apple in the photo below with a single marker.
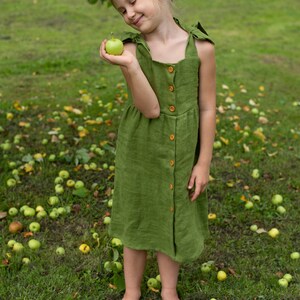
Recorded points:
(34, 244)
(84, 248)
(274, 232)
(41, 214)
(39, 208)
(295, 255)
(25, 260)
(281, 209)
(13, 211)
(11, 182)
(53, 200)
(110, 203)
(255, 173)
(221, 275)
(59, 189)
(106, 220)
(70, 183)
(277, 199)
(205, 268)
(152, 283)
(115, 242)
(118, 266)
(15, 227)
(249, 205)
(53, 214)
(60, 251)
(11, 243)
(158, 278)
(288, 277)
(34, 227)
(254, 227)
(283, 282)
(114, 46)
(18, 247)
(64, 174)
(29, 212)
(79, 184)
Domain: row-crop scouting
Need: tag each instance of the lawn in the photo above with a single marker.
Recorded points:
(59, 110)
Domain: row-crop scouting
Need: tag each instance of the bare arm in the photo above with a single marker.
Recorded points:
(207, 103)
(144, 98)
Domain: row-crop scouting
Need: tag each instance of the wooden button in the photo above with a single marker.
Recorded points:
(172, 108)
(172, 137)
(172, 162)
(171, 186)
(171, 88)
(170, 69)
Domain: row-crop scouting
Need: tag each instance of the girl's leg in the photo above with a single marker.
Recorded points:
(168, 270)
(134, 266)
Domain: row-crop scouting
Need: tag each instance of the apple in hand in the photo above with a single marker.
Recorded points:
(114, 46)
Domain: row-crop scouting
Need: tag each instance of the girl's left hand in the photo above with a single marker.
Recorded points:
(198, 181)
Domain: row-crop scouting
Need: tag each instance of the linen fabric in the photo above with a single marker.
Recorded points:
(155, 157)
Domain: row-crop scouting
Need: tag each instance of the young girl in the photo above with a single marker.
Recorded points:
(165, 141)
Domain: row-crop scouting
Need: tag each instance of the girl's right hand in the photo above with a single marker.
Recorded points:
(126, 59)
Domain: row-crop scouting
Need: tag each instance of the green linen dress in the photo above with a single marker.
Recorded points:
(155, 157)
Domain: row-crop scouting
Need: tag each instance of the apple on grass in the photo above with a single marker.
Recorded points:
(53, 200)
(295, 255)
(114, 46)
(15, 227)
(64, 174)
(288, 277)
(11, 182)
(34, 244)
(152, 283)
(41, 214)
(79, 184)
(283, 282)
(13, 211)
(274, 232)
(29, 212)
(25, 260)
(34, 227)
(18, 247)
(11, 243)
(221, 275)
(277, 199)
(60, 251)
(205, 268)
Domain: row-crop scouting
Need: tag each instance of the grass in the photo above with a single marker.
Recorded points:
(48, 61)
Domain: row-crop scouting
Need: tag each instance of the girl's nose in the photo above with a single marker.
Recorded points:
(130, 13)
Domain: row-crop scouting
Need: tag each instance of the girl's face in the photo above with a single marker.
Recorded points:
(142, 15)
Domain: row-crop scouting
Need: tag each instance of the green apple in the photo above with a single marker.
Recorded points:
(118, 266)
(274, 232)
(249, 205)
(64, 174)
(53, 200)
(79, 184)
(52, 157)
(18, 247)
(59, 189)
(61, 211)
(34, 244)
(44, 141)
(221, 275)
(115, 242)
(11, 182)
(70, 183)
(12, 164)
(255, 173)
(110, 203)
(114, 46)
(41, 214)
(60, 251)
(23, 208)
(53, 214)
(11, 243)
(254, 227)
(217, 145)
(152, 283)
(205, 268)
(108, 266)
(34, 227)
(29, 212)
(13, 211)
(277, 199)
(295, 255)
(281, 209)
(105, 166)
(256, 198)
(106, 220)
(283, 282)
(39, 208)
(58, 180)
(288, 277)
(25, 260)
(158, 278)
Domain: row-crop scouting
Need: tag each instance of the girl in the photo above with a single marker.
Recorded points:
(165, 142)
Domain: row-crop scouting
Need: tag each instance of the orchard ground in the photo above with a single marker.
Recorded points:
(59, 101)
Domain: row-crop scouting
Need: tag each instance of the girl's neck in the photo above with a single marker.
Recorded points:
(164, 32)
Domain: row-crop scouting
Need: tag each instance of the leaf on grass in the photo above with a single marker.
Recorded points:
(225, 87)
(115, 254)
(230, 183)
(28, 168)
(231, 271)
(225, 141)
(27, 234)
(112, 286)
(119, 282)
(246, 148)
(82, 156)
(3, 214)
(272, 154)
(81, 192)
(261, 230)
(258, 133)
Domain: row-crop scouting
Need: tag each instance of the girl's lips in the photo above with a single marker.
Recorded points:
(137, 21)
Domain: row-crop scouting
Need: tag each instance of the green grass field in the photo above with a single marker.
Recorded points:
(59, 110)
